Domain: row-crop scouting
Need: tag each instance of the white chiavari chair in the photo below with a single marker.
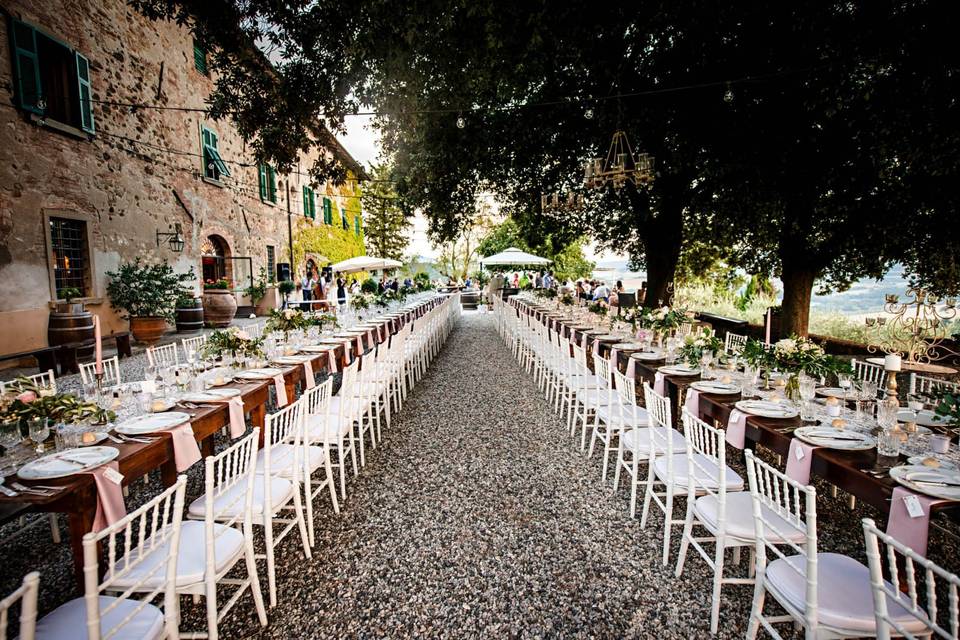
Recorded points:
(587, 393)
(726, 515)
(193, 345)
(26, 594)
(920, 580)
(111, 372)
(255, 330)
(279, 474)
(218, 535)
(129, 543)
(44, 381)
(164, 355)
(316, 402)
(684, 330)
(612, 416)
(925, 385)
(734, 342)
(867, 371)
(828, 594)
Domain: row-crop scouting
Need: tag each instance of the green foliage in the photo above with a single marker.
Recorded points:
(369, 286)
(948, 404)
(141, 290)
(698, 341)
(67, 294)
(286, 287)
(217, 285)
(234, 341)
(598, 308)
(23, 399)
(330, 241)
(258, 289)
(421, 282)
(385, 225)
(361, 301)
(569, 262)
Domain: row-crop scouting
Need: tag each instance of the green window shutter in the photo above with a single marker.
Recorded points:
(327, 212)
(272, 184)
(26, 66)
(306, 202)
(262, 174)
(199, 58)
(83, 83)
(313, 205)
(356, 225)
(343, 219)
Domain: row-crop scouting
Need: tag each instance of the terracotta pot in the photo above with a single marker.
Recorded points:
(268, 302)
(148, 330)
(219, 308)
(71, 323)
(190, 316)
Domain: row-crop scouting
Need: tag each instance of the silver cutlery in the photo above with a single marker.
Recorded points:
(7, 491)
(928, 483)
(114, 439)
(22, 488)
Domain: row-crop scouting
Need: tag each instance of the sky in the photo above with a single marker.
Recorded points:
(363, 143)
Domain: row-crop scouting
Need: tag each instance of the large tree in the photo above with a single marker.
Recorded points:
(385, 225)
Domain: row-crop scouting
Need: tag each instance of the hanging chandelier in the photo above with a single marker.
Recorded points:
(553, 203)
(620, 166)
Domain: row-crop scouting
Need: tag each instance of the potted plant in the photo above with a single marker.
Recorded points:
(286, 287)
(189, 314)
(219, 305)
(70, 322)
(257, 291)
(147, 295)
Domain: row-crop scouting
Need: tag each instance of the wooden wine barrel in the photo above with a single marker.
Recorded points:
(71, 323)
(190, 317)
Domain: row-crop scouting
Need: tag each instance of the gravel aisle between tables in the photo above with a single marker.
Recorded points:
(477, 515)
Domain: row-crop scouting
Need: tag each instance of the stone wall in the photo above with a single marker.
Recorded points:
(140, 173)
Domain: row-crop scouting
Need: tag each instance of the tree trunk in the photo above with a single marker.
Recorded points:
(663, 238)
(798, 276)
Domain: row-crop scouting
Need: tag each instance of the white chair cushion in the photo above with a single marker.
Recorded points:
(281, 460)
(705, 473)
(321, 428)
(69, 621)
(740, 522)
(583, 381)
(844, 599)
(191, 557)
(230, 503)
(638, 440)
(595, 397)
(625, 417)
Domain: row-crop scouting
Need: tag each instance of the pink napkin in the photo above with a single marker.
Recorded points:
(596, 346)
(281, 389)
(186, 451)
(659, 382)
(912, 532)
(736, 429)
(332, 360)
(583, 341)
(615, 358)
(799, 468)
(371, 339)
(308, 374)
(110, 507)
(632, 369)
(237, 424)
(693, 402)
(359, 344)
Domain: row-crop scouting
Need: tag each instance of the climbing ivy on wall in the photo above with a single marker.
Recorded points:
(332, 241)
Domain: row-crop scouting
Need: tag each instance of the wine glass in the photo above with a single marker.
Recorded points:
(39, 430)
(807, 386)
(706, 359)
(845, 380)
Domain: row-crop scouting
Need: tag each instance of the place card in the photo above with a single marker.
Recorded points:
(914, 508)
(798, 452)
(113, 475)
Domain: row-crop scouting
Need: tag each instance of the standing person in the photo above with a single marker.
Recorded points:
(516, 280)
(331, 289)
(341, 292)
(538, 280)
(306, 284)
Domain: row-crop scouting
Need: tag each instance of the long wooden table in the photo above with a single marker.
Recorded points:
(843, 469)
(78, 497)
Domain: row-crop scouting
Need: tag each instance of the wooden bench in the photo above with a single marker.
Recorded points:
(68, 352)
(46, 358)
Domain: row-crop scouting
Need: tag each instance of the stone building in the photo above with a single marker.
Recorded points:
(90, 181)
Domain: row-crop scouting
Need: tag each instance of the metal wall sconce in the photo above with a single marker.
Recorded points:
(175, 238)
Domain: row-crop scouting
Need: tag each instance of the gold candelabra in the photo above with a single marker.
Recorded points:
(553, 203)
(916, 327)
(620, 166)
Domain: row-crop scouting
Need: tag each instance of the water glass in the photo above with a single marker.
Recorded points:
(39, 431)
(10, 435)
(939, 443)
(887, 413)
(888, 443)
(807, 387)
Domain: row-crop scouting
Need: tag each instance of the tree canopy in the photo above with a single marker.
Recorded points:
(385, 225)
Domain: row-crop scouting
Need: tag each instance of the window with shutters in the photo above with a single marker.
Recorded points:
(343, 219)
(70, 255)
(214, 168)
(327, 211)
(267, 177)
(309, 203)
(356, 225)
(271, 263)
(51, 80)
(200, 59)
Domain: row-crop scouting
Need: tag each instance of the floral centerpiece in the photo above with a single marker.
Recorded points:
(360, 301)
(234, 341)
(599, 307)
(947, 404)
(23, 400)
(286, 320)
(666, 319)
(796, 355)
(548, 294)
(566, 299)
(698, 341)
(323, 320)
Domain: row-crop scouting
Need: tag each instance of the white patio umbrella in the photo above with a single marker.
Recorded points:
(514, 256)
(364, 263)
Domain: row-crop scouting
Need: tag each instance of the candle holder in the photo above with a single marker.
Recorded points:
(916, 327)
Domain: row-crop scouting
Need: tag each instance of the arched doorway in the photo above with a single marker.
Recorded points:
(214, 258)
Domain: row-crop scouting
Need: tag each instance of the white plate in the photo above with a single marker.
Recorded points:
(945, 465)
(226, 380)
(648, 356)
(211, 395)
(333, 341)
(608, 336)
(830, 392)
(288, 360)
(628, 346)
(766, 409)
(836, 438)
(925, 418)
(712, 386)
(67, 463)
(676, 370)
(318, 348)
(909, 475)
(152, 422)
(259, 374)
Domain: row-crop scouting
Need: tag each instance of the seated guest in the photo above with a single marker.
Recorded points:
(602, 292)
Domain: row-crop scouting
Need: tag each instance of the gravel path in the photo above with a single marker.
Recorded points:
(477, 516)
